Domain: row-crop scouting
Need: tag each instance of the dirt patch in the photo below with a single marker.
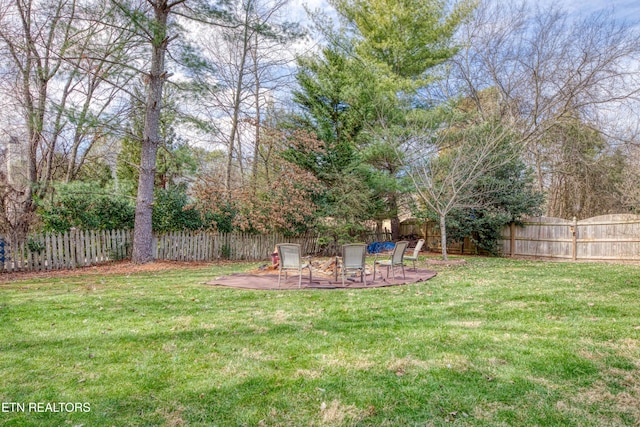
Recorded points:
(443, 262)
(264, 281)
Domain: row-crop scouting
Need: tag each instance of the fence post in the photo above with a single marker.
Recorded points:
(2, 253)
(512, 236)
(574, 245)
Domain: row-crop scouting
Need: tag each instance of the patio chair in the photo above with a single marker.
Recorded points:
(291, 260)
(396, 259)
(416, 252)
(353, 261)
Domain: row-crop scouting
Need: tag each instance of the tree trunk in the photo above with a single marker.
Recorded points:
(395, 221)
(443, 237)
(395, 228)
(142, 231)
(256, 146)
(233, 136)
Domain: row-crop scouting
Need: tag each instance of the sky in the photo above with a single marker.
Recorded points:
(624, 9)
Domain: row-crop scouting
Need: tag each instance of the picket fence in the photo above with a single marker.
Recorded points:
(610, 237)
(68, 250)
(190, 246)
(80, 248)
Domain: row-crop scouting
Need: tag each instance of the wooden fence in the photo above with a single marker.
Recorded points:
(413, 229)
(190, 246)
(79, 248)
(56, 251)
(608, 237)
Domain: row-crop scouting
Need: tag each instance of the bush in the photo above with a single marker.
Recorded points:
(507, 195)
(172, 212)
(88, 206)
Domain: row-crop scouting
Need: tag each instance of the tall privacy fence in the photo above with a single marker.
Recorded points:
(80, 248)
(607, 238)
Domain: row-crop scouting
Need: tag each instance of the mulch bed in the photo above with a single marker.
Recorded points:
(268, 280)
(110, 268)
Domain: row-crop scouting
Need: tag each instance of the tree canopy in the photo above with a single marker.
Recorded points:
(473, 113)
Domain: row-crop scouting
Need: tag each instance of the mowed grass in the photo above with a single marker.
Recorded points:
(495, 342)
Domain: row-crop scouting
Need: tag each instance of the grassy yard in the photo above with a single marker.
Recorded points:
(495, 342)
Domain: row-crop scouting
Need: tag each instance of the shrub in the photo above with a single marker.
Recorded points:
(86, 205)
(172, 211)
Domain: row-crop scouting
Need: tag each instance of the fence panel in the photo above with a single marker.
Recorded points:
(610, 237)
(607, 237)
(207, 246)
(68, 250)
(540, 237)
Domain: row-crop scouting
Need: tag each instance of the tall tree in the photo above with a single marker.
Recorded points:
(157, 22)
(396, 44)
(582, 171)
(30, 38)
(406, 37)
(245, 71)
(629, 185)
(66, 76)
(157, 29)
(334, 98)
(99, 78)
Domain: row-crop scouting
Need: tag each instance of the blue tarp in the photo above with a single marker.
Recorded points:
(377, 247)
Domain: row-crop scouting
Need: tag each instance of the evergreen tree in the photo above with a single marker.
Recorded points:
(505, 195)
(335, 101)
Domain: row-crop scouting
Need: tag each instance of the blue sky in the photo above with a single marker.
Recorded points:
(624, 9)
(627, 9)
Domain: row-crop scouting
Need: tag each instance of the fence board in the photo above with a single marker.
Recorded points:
(54, 251)
(94, 244)
(607, 237)
(48, 249)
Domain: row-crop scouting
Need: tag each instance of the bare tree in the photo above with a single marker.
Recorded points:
(69, 76)
(99, 77)
(248, 62)
(35, 44)
(546, 68)
(445, 163)
(629, 186)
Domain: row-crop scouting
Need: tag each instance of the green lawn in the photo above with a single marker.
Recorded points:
(490, 343)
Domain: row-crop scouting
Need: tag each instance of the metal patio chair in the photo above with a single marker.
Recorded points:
(291, 260)
(396, 259)
(416, 252)
(353, 261)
